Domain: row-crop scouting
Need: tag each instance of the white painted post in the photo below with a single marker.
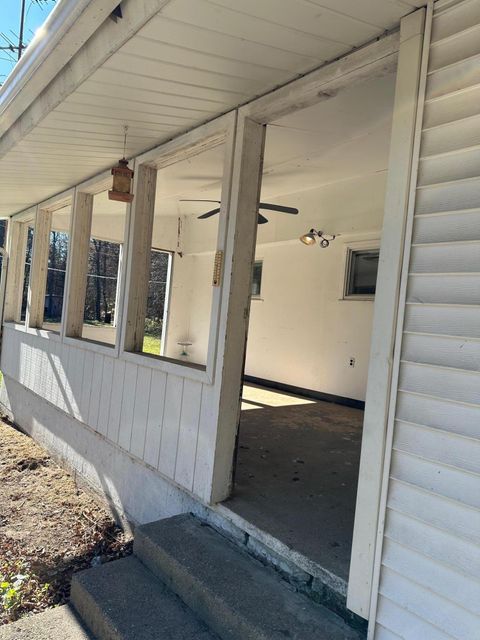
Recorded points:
(119, 281)
(385, 314)
(39, 268)
(240, 255)
(79, 248)
(138, 264)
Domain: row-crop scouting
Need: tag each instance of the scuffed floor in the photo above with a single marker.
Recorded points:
(297, 473)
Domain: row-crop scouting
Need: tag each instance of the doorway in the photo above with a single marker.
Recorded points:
(310, 325)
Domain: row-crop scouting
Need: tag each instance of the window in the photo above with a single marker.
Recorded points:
(361, 273)
(158, 286)
(3, 233)
(26, 272)
(187, 220)
(57, 269)
(100, 313)
(102, 282)
(257, 279)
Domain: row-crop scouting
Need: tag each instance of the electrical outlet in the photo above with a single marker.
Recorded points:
(351, 362)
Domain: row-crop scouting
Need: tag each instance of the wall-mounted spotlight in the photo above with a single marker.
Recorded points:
(314, 236)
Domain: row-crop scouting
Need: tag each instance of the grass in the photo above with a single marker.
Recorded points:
(151, 344)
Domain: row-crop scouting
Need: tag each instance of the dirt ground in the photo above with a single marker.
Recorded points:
(49, 528)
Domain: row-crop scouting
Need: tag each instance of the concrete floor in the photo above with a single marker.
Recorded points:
(297, 472)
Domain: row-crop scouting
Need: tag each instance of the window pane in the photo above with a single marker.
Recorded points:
(57, 269)
(102, 283)
(183, 246)
(3, 232)
(104, 264)
(160, 262)
(257, 278)
(363, 272)
(26, 274)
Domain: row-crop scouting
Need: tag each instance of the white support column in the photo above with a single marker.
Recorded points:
(16, 248)
(79, 248)
(138, 269)
(39, 268)
(240, 254)
(118, 290)
(385, 314)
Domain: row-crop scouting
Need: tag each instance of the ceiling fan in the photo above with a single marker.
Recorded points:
(262, 205)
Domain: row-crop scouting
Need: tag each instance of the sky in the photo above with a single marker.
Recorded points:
(35, 13)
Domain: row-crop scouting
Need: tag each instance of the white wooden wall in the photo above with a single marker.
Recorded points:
(429, 567)
(154, 416)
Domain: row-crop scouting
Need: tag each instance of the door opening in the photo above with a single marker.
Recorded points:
(312, 296)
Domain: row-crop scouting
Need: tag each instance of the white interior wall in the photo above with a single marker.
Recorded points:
(301, 332)
(191, 288)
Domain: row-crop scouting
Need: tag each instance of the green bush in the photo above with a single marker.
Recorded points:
(20, 590)
(153, 327)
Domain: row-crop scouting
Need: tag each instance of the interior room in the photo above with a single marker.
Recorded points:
(310, 324)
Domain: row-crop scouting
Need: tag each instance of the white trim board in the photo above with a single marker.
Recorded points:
(368, 509)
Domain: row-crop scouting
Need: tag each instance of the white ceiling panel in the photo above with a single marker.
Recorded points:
(194, 60)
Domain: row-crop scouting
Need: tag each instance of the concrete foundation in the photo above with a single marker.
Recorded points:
(110, 471)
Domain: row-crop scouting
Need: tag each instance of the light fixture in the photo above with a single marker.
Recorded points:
(314, 236)
(308, 238)
(122, 177)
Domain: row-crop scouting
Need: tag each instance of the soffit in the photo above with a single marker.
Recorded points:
(191, 62)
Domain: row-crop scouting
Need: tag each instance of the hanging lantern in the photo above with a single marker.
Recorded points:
(122, 182)
(122, 176)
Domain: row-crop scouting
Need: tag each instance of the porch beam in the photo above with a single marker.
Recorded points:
(240, 253)
(377, 403)
(39, 269)
(107, 39)
(79, 248)
(138, 270)
(377, 59)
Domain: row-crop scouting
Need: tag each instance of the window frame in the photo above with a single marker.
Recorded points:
(17, 234)
(214, 134)
(90, 188)
(168, 287)
(16, 245)
(350, 249)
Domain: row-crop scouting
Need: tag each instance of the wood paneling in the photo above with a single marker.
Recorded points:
(154, 416)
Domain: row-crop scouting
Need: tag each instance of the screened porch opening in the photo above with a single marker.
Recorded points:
(312, 298)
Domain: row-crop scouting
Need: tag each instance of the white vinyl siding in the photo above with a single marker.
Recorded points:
(430, 564)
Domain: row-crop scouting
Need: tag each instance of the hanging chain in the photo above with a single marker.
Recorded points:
(125, 130)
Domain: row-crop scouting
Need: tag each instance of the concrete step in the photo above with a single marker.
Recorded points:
(122, 600)
(305, 575)
(52, 624)
(235, 594)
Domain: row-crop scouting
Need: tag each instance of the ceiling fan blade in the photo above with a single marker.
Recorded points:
(209, 214)
(195, 200)
(278, 207)
(261, 219)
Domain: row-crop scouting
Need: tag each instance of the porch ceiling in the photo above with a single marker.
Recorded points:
(186, 65)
